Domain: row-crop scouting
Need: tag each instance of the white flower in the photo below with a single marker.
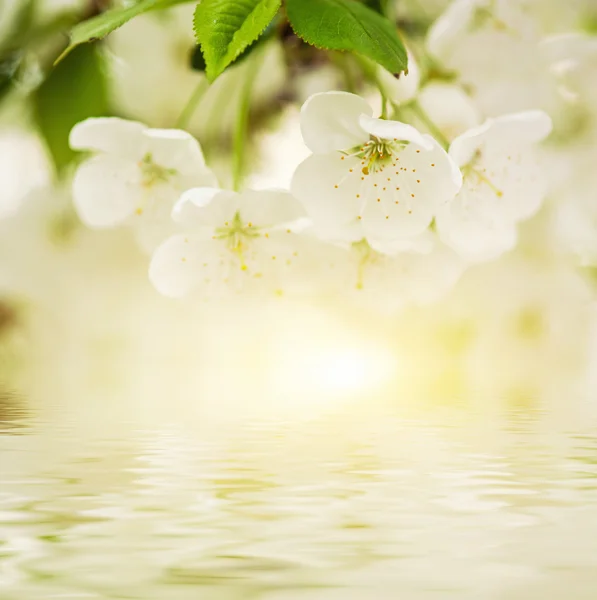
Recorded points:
(135, 175)
(391, 282)
(502, 184)
(237, 241)
(497, 20)
(369, 178)
(388, 277)
(493, 46)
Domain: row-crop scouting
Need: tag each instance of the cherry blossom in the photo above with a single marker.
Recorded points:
(502, 184)
(135, 174)
(513, 75)
(369, 178)
(387, 277)
(235, 242)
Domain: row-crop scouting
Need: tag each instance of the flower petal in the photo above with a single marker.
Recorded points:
(402, 200)
(106, 191)
(471, 230)
(174, 149)
(328, 187)
(268, 208)
(181, 264)
(109, 134)
(207, 207)
(450, 26)
(527, 127)
(395, 130)
(423, 243)
(330, 121)
(506, 132)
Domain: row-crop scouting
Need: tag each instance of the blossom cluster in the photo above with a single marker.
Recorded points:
(378, 204)
(382, 199)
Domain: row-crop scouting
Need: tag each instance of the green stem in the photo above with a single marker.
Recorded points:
(191, 105)
(242, 124)
(435, 131)
(384, 103)
(369, 70)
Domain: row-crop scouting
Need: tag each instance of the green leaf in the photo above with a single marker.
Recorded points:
(349, 26)
(224, 28)
(101, 25)
(75, 90)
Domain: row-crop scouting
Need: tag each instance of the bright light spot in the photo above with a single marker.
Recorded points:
(320, 363)
(338, 369)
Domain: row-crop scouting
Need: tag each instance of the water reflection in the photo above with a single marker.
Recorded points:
(13, 412)
(352, 504)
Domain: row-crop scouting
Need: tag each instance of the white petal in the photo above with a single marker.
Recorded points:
(106, 191)
(423, 243)
(271, 264)
(423, 278)
(521, 181)
(506, 132)
(330, 121)
(206, 207)
(175, 149)
(569, 46)
(463, 148)
(268, 208)
(527, 127)
(328, 190)
(182, 264)
(279, 263)
(402, 200)
(394, 130)
(449, 27)
(472, 231)
(108, 134)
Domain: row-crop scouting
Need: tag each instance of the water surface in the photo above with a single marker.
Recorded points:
(341, 505)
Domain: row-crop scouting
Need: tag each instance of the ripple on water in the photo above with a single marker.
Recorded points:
(376, 507)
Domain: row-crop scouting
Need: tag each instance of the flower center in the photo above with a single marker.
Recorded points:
(152, 173)
(484, 16)
(475, 172)
(376, 154)
(236, 235)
